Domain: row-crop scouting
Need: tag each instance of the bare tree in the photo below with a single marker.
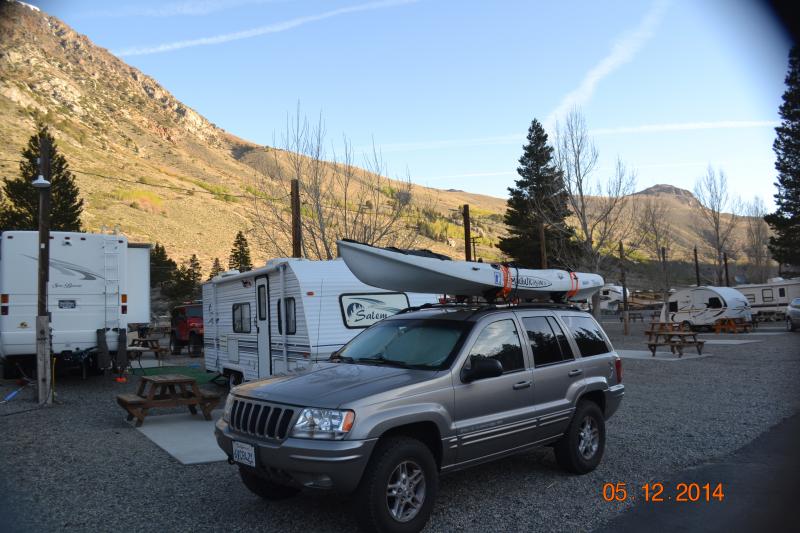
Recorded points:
(601, 207)
(717, 215)
(338, 199)
(757, 238)
(655, 231)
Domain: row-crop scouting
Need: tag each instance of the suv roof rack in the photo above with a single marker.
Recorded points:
(478, 307)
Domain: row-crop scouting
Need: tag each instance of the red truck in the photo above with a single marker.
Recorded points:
(187, 328)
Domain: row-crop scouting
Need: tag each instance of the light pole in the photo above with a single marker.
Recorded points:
(42, 182)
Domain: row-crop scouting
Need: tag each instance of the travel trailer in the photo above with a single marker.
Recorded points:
(611, 297)
(702, 306)
(769, 300)
(96, 282)
(288, 314)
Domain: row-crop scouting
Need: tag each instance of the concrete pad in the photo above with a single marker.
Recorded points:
(186, 437)
(661, 356)
(768, 333)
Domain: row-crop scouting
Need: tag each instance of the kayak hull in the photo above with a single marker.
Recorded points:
(397, 271)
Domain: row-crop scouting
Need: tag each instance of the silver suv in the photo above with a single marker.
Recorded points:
(793, 315)
(423, 393)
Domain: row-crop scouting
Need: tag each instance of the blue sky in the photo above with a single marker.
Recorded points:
(447, 88)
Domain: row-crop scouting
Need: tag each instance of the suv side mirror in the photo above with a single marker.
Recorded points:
(481, 368)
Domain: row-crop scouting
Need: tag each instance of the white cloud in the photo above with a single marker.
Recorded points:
(623, 51)
(262, 30)
(687, 126)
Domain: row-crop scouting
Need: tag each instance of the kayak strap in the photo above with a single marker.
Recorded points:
(573, 285)
(506, 290)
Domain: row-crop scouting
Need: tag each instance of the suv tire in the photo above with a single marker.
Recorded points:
(269, 490)
(580, 449)
(407, 467)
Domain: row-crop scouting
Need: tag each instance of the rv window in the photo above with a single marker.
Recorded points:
(291, 317)
(782, 293)
(766, 295)
(241, 318)
(751, 298)
(673, 307)
(262, 302)
(588, 335)
(714, 303)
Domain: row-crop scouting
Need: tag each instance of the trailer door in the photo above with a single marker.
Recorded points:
(262, 327)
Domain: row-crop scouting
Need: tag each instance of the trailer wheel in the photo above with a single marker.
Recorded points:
(174, 345)
(234, 378)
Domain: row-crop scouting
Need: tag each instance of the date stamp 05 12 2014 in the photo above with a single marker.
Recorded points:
(656, 492)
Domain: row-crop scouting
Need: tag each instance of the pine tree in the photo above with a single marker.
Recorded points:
(20, 207)
(162, 268)
(538, 197)
(785, 221)
(195, 272)
(216, 269)
(240, 254)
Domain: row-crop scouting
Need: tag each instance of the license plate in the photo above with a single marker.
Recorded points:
(244, 453)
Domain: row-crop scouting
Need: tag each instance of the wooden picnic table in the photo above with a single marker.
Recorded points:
(672, 334)
(146, 344)
(167, 390)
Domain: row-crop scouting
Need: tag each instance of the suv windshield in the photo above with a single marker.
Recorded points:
(196, 311)
(427, 344)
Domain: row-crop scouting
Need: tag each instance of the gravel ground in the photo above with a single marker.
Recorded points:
(79, 466)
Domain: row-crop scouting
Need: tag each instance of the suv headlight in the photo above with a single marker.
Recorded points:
(323, 424)
(226, 414)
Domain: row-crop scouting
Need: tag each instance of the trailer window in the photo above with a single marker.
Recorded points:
(241, 318)
(262, 302)
(782, 293)
(673, 307)
(766, 295)
(714, 303)
(291, 316)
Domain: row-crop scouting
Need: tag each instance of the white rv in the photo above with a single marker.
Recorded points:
(286, 315)
(611, 297)
(702, 306)
(769, 300)
(96, 281)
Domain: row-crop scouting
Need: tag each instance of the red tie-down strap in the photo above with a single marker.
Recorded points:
(573, 285)
(506, 290)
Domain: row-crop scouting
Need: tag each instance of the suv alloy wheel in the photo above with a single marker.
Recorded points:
(581, 448)
(398, 489)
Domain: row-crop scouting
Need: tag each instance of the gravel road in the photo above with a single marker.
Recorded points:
(79, 466)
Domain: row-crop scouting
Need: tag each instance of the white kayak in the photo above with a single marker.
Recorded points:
(412, 271)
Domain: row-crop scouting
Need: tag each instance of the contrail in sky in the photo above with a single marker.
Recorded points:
(519, 138)
(186, 8)
(262, 30)
(624, 50)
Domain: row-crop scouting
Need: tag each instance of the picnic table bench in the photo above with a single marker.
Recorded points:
(142, 345)
(672, 334)
(732, 325)
(167, 390)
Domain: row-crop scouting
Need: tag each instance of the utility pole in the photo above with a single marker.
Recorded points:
(624, 289)
(297, 234)
(725, 260)
(467, 238)
(542, 245)
(696, 266)
(42, 183)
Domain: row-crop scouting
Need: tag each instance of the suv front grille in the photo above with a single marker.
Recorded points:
(260, 419)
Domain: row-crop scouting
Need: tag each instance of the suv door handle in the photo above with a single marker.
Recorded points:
(576, 372)
(522, 385)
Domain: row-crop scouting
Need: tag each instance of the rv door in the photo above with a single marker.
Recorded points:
(262, 321)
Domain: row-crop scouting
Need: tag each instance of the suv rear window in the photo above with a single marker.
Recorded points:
(587, 334)
(548, 342)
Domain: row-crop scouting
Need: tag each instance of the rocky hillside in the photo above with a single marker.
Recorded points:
(144, 161)
(160, 171)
